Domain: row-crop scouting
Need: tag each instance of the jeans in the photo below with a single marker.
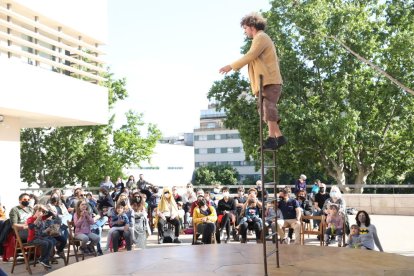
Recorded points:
(46, 245)
(115, 239)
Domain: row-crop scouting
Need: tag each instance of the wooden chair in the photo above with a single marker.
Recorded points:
(75, 243)
(25, 249)
(213, 235)
(306, 228)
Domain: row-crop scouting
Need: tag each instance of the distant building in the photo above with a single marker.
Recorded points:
(216, 145)
(50, 68)
(172, 163)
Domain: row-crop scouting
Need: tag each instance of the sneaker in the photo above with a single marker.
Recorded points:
(227, 239)
(54, 261)
(160, 240)
(269, 144)
(176, 240)
(326, 243)
(243, 240)
(286, 240)
(45, 264)
(280, 141)
(61, 254)
(84, 250)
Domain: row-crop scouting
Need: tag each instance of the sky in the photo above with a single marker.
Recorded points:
(170, 53)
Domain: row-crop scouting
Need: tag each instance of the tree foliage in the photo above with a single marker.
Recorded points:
(216, 174)
(339, 114)
(69, 155)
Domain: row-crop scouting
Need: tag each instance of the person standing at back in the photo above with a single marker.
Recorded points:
(262, 60)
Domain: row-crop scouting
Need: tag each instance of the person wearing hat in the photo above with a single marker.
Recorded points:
(300, 184)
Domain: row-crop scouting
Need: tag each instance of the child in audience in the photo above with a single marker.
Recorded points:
(38, 234)
(335, 224)
(354, 240)
(252, 213)
(119, 220)
(181, 213)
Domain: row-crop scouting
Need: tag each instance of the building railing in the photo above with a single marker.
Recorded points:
(48, 44)
(393, 189)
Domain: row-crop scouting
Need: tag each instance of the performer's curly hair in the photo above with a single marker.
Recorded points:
(255, 20)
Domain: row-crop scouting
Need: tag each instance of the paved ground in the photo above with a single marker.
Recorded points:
(394, 233)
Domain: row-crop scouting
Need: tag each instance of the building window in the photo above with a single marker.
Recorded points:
(211, 150)
(236, 150)
(223, 150)
(229, 150)
(196, 137)
(202, 151)
(211, 137)
(218, 136)
(211, 125)
(202, 138)
(196, 151)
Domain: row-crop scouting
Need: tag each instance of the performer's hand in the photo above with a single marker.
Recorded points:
(225, 69)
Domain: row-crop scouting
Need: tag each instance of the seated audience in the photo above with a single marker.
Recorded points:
(335, 224)
(38, 234)
(367, 232)
(83, 221)
(226, 209)
(205, 218)
(354, 240)
(141, 226)
(291, 213)
(167, 212)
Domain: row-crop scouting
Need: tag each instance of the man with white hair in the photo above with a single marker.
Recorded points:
(300, 184)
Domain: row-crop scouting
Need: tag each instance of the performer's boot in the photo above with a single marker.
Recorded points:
(270, 144)
(281, 140)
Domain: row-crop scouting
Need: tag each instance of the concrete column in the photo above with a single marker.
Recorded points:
(9, 162)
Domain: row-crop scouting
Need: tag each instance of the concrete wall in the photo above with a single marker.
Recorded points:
(382, 204)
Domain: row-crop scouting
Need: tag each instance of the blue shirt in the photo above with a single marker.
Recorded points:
(288, 208)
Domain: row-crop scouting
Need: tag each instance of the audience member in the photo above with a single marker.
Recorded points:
(335, 225)
(300, 184)
(131, 184)
(318, 204)
(38, 234)
(141, 226)
(167, 212)
(226, 210)
(204, 220)
(107, 183)
(291, 213)
(367, 232)
(83, 221)
(251, 220)
(354, 240)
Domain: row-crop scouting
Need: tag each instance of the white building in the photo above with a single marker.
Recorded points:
(216, 145)
(50, 66)
(172, 164)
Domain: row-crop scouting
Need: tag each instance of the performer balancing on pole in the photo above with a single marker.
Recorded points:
(262, 60)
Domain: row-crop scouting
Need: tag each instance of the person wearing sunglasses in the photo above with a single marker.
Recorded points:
(167, 212)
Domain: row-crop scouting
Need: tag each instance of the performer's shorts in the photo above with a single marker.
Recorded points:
(271, 95)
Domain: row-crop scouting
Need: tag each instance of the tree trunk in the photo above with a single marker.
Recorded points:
(361, 178)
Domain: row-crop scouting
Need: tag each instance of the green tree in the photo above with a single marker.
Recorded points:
(338, 113)
(68, 155)
(216, 174)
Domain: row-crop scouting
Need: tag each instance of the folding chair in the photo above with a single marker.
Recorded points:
(306, 228)
(195, 234)
(26, 250)
(75, 244)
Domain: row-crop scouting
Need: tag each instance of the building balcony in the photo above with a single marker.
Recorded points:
(52, 75)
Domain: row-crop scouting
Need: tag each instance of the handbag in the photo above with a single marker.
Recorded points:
(53, 230)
